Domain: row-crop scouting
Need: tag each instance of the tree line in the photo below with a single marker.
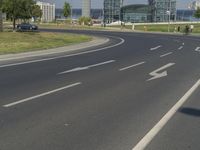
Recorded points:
(20, 9)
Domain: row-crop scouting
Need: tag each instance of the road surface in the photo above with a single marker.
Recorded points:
(139, 91)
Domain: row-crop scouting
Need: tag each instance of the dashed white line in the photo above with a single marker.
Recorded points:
(181, 47)
(155, 48)
(164, 55)
(135, 65)
(183, 43)
(143, 143)
(41, 95)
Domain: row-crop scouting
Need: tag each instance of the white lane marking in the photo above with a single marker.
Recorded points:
(157, 75)
(135, 65)
(143, 143)
(155, 48)
(65, 56)
(197, 49)
(41, 95)
(183, 43)
(86, 67)
(181, 47)
(166, 54)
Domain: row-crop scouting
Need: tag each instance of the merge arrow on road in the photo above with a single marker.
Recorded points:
(197, 49)
(157, 75)
(86, 67)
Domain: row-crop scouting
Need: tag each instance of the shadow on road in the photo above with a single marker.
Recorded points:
(190, 111)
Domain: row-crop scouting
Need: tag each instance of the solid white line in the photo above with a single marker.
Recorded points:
(135, 65)
(155, 48)
(156, 129)
(65, 56)
(166, 54)
(181, 47)
(41, 95)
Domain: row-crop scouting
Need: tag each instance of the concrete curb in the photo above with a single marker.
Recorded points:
(95, 42)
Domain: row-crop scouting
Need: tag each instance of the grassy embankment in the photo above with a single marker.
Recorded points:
(161, 28)
(17, 42)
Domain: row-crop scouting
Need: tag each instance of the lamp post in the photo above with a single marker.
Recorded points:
(169, 15)
(1, 21)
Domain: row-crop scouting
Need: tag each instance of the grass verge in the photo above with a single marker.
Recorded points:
(162, 28)
(17, 42)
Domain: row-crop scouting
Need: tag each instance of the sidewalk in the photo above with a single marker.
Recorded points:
(96, 41)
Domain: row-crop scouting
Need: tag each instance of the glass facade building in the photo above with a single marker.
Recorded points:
(163, 10)
(136, 13)
(112, 10)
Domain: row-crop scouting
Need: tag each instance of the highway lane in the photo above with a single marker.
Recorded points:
(110, 108)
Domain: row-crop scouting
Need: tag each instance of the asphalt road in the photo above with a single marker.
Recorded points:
(139, 91)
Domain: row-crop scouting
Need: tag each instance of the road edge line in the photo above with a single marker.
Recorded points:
(144, 142)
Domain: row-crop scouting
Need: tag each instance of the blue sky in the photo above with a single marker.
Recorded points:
(99, 3)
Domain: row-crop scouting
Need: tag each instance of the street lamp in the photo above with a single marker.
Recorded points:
(1, 21)
(169, 14)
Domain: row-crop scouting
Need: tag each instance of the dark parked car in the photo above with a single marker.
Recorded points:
(27, 26)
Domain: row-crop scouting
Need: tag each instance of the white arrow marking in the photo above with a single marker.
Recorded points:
(86, 67)
(181, 47)
(157, 75)
(155, 48)
(197, 49)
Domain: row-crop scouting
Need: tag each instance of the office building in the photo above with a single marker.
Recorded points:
(86, 8)
(48, 11)
(163, 10)
(112, 10)
(136, 13)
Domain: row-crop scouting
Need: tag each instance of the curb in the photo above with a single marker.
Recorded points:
(96, 41)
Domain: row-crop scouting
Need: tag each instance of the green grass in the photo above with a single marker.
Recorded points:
(17, 42)
(161, 28)
(68, 26)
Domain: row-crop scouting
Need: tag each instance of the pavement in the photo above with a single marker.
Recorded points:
(137, 91)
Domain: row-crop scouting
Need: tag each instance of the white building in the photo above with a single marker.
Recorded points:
(48, 11)
(86, 8)
(195, 5)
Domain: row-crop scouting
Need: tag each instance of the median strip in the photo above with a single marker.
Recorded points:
(41, 95)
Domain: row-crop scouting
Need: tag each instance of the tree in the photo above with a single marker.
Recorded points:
(12, 9)
(36, 12)
(66, 9)
(197, 13)
(1, 19)
(85, 21)
(18, 9)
